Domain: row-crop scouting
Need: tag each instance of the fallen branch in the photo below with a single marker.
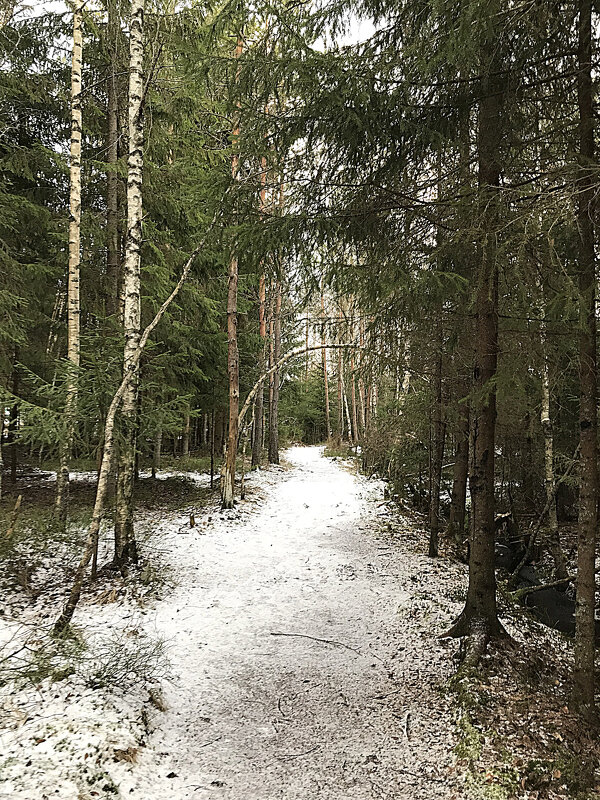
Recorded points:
(519, 594)
(316, 639)
(326, 641)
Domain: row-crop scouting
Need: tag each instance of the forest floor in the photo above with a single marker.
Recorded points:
(289, 648)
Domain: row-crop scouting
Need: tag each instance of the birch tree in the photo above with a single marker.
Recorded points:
(73, 306)
(125, 544)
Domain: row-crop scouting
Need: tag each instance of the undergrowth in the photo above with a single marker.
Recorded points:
(516, 738)
(121, 659)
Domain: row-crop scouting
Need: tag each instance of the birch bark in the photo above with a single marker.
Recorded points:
(73, 307)
(125, 544)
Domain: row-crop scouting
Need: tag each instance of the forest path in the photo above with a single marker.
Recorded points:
(257, 716)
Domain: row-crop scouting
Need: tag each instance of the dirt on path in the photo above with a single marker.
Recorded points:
(305, 651)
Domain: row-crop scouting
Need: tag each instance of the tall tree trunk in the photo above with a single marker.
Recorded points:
(348, 419)
(362, 397)
(13, 422)
(583, 692)
(456, 525)
(233, 357)
(560, 564)
(339, 435)
(125, 544)
(306, 365)
(262, 330)
(355, 433)
(325, 377)
(212, 449)
(156, 452)
(219, 433)
(259, 405)
(437, 455)
(73, 309)
(233, 372)
(274, 410)
(113, 254)
(479, 619)
(185, 443)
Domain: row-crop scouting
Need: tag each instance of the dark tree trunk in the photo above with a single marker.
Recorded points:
(588, 488)
(212, 449)
(274, 409)
(461, 466)
(113, 254)
(259, 404)
(233, 372)
(156, 454)
(356, 435)
(185, 446)
(339, 434)
(13, 422)
(479, 619)
(437, 454)
(218, 433)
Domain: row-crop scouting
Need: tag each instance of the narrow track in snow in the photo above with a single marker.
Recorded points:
(305, 665)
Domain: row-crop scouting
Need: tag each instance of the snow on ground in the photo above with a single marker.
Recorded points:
(38, 477)
(305, 663)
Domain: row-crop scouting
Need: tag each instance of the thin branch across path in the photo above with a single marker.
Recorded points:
(287, 357)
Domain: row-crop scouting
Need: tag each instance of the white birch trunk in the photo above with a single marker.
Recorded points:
(73, 309)
(125, 546)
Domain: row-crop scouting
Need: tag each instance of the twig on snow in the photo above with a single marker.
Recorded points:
(288, 756)
(326, 641)
(405, 726)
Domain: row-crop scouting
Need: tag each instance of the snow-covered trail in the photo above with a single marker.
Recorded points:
(253, 714)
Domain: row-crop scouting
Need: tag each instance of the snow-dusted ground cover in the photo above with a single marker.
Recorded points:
(38, 477)
(304, 661)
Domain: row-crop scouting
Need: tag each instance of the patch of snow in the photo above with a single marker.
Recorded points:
(302, 639)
